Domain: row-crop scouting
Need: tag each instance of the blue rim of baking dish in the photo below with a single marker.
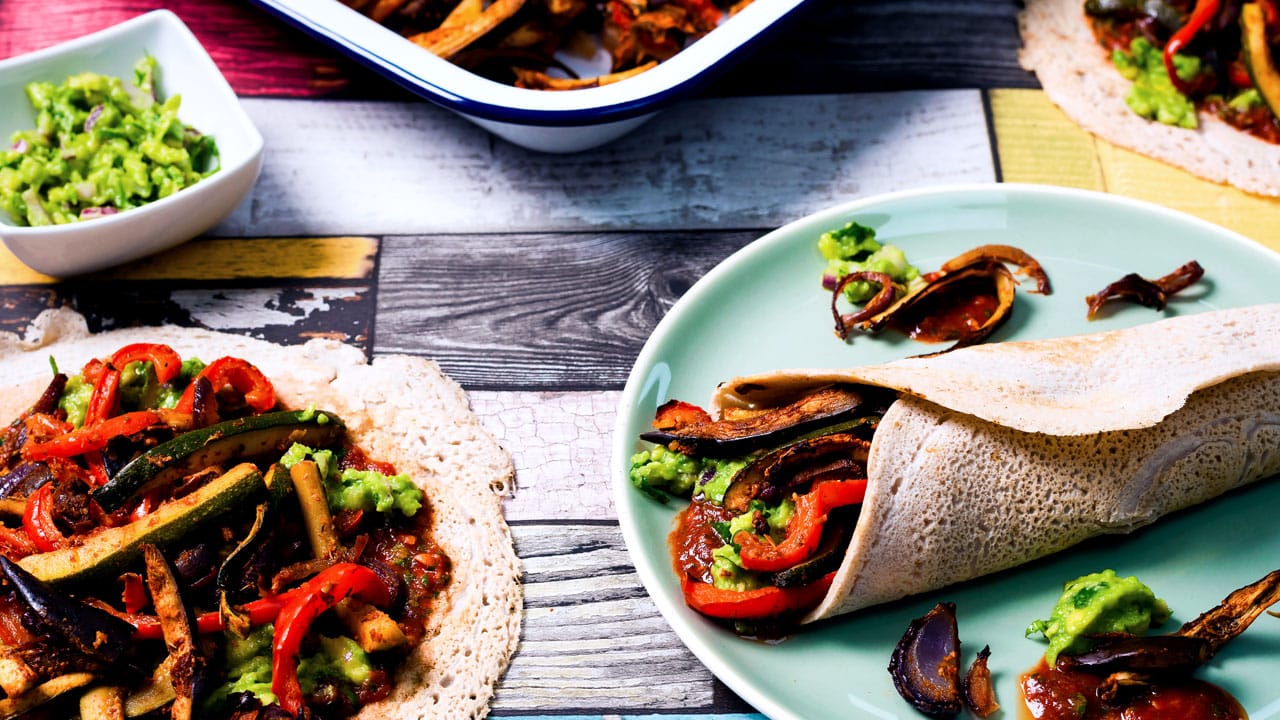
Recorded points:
(686, 77)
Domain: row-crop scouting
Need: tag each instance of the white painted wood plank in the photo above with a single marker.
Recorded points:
(390, 168)
(592, 638)
(560, 443)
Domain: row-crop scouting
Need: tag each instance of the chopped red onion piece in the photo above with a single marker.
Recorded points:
(20, 146)
(90, 213)
(86, 190)
(92, 120)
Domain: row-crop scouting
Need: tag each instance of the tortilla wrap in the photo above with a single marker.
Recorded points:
(996, 455)
(399, 409)
(1078, 76)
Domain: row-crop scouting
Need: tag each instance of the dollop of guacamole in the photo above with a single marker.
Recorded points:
(659, 471)
(1095, 604)
(854, 248)
(101, 145)
(1153, 95)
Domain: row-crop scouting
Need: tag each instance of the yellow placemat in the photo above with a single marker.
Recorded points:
(350, 258)
(1037, 143)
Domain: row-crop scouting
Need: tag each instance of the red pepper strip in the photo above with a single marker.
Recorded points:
(133, 594)
(1203, 12)
(166, 362)
(804, 531)
(248, 380)
(37, 520)
(328, 588)
(261, 612)
(90, 438)
(753, 604)
(98, 475)
(106, 395)
(15, 544)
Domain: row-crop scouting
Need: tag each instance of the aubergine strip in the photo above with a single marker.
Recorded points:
(917, 303)
(1134, 660)
(1027, 265)
(89, 630)
(770, 477)
(176, 625)
(1150, 293)
(741, 436)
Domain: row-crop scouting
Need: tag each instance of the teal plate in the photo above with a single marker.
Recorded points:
(762, 309)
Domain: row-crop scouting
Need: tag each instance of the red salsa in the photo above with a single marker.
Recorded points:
(1054, 694)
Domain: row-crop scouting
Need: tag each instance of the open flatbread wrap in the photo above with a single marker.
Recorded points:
(400, 409)
(995, 455)
(1078, 76)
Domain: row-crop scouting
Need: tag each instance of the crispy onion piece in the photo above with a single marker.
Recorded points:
(979, 693)
(1151, 293)
(1026, 264)
(847, 322)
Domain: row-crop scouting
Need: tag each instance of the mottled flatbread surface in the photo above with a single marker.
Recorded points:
(999, 454)
(1078, 76)
(400, 409)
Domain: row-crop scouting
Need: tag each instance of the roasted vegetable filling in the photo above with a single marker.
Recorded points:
(174, 544)
(773, 497)
(1207, 55)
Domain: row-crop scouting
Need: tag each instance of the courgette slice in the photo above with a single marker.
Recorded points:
(829, 554)
(1257, 55)
(242, 438)
(109, 549)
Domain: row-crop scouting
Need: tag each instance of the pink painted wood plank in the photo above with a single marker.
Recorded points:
(257, 53)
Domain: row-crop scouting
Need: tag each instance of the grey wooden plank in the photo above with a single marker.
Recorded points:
(554, 312)
(838, 46)
(592, 640)
(729, 162)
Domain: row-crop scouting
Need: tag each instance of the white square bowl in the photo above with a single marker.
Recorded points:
(208, 105)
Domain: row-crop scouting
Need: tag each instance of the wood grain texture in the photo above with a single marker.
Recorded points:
(829, 46)
(592, 639)
(707, 164)
(527, 312)
(875, 45)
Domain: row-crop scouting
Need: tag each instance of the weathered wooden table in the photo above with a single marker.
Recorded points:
(535, 279)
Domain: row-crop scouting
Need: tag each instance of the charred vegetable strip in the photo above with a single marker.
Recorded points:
(166, 363)
(1204, 11)
(317, 595)
(109, 548)
(315, 509)
(245, 378)
(88, 439)
(979, 693)
(881, 301)
(187, 663)
(1151, 293)
(43, 693)
(1026, 264)
(766, 602)
(38, 520)
(214, 445)
(725, 438)
(805, 530)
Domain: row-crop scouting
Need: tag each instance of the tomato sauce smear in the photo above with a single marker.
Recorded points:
(1053, 694)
